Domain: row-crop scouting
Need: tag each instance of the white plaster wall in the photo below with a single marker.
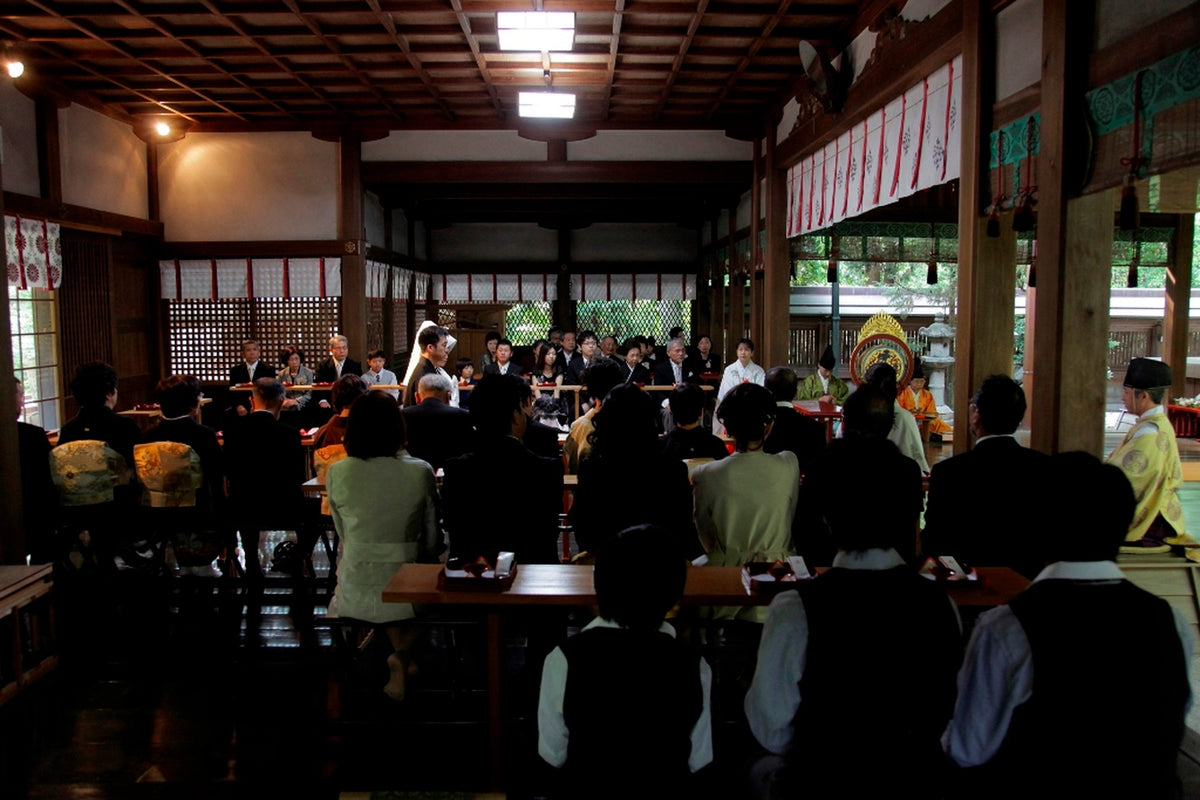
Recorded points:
(373, 219)
(660, 146)
(18, 141)
(493, 241)
(399, 232)
(1116, 19)
(453, 146)
(103, 163)
(1018, 47)
(248, 187)
(630, 242)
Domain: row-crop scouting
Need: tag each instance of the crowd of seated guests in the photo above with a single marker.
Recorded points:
(861, 660)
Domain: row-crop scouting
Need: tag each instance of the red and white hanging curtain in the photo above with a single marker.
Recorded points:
(378, 275)
(495, 288)
(910, 144)
(402, 279)
(224, 278)
(33, 252)
(633, 287)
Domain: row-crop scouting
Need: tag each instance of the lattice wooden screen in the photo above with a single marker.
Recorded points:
(374, 325)
(205, 336)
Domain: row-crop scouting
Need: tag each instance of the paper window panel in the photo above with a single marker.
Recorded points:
(232, 277)
(269, 278)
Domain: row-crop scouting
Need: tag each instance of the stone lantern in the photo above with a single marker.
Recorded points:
(939, 336)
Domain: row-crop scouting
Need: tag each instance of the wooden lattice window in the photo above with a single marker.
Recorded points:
(205, 336)
(33, 325)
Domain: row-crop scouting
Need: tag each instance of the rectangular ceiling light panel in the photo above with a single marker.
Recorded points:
(535, 31)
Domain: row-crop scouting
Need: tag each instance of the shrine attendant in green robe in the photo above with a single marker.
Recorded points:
(823, 385)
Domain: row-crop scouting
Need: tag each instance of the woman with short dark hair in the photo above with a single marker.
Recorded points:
(384, 506)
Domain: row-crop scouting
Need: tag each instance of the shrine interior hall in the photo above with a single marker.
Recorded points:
(179, 177)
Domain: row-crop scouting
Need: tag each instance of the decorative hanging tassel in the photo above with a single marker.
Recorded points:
(1131, 279)
(1127, 220)
(831, 272)
(993, 223)
(1032, 282)
(931, 276)
(1023, 216)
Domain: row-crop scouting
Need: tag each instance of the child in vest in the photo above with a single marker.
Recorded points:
(624, 706)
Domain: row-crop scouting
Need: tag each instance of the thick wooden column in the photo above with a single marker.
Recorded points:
(1179, 292)
(562, 310)
(977, 341)
(1074, 253)
(777, 278)
(736, 327)
(49, 150)
(354, 245)
(756, 298)
(12, 536)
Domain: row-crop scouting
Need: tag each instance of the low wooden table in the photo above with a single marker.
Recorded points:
(24, 589)
(821, 412)
(571, 585)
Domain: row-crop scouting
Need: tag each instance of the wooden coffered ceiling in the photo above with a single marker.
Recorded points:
(395, 64)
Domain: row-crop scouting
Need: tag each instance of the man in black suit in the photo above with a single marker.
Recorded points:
(434, 430)
(792, 430)
(248, 370)
(673, 371)
(632, 369)
(329, 370)
(504, 364)
(478, 491)
(581, 359)
(434, 342)
(265, 466)
(972, 512)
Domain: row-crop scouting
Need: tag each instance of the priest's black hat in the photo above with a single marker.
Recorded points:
(1147, 373)
(827, 360)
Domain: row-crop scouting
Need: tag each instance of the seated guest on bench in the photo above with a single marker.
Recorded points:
(179, 401)
(905, 433)
(333, 368)
(248, 370)
(1079, 686)
(296, 373)
(688, 439)
(265, 465)
(540, 439)
(348, 389)
(867, 417)
(599, 379)
(792, 430)
(624, 456)
(377, 374)
(970, 513)
(500, 496)
(504, 364)
(632, 369)
(384, 506)
(436, 430)
(95, 390)
(745, 503)
(855, 675)
(624, 706)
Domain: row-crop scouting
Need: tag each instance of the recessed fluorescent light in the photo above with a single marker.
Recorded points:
(546, 105)
(535, 31)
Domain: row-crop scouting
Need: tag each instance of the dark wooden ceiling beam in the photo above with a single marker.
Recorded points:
(87, 31)
(677, 63)
(767, 28)
(465, 23)
(406, 48)
(613, 48)
(600, 172)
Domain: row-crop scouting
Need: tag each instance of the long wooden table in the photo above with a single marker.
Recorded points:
(571, 585)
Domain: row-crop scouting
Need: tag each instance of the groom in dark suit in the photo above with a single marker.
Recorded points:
(974, 511)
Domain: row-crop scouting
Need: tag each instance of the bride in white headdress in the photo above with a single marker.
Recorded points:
(414, 362)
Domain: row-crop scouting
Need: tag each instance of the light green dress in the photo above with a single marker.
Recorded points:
(385, 511)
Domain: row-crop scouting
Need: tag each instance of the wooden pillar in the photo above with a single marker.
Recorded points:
(756, 306)
(562, 310)
(152, 195)
(977, 346)
(718, 317)
(1074, 253)
(12, 536)
(353, 238)
(1179, 292)
(777, 276)
(701, 320)
(49, 150)
(736, 328)
(410, 315)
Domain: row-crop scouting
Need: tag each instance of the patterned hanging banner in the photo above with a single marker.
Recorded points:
(900, 149)
(33, 252)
